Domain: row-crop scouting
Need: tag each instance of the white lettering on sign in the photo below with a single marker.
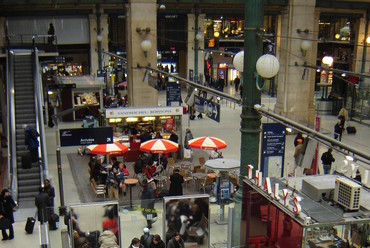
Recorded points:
(138, 112)
(257, 180)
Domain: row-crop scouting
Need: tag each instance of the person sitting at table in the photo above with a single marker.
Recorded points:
(140, 177)
(114, 162)
(150, 171)
(98, 171)
(125, 173)
(158, 135)
(115, 181)
(140, 163)
(215, 154)
(161, 162)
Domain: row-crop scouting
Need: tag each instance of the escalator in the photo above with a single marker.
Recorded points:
(24, 106)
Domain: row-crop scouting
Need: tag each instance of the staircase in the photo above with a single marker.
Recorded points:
(29, 180)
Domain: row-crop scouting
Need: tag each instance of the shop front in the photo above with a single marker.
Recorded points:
(132, 125)
(290, 217)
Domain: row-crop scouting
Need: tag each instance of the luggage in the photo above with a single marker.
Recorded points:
(30, 224)
(351, 130)
(54, 218)
(26, 161)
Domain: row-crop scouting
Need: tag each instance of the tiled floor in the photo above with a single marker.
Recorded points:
(132, 223)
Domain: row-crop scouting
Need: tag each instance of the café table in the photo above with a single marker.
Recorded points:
(131, 182)
(223, 166)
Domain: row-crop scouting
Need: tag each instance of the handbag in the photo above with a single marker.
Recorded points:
(5, 223)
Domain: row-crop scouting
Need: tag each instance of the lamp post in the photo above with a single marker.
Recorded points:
(251, 119)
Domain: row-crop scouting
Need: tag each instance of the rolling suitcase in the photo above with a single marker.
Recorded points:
(26, 161)
(30, 224)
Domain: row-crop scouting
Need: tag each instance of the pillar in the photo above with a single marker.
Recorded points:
(94, 50)
(191, 42)
(295, 93)
(361, 63)
(141, 23)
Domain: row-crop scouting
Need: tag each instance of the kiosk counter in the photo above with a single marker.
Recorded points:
(131, 124)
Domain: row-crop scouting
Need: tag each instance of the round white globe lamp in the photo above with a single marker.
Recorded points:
(99, 38)
(238, 61)
(198, 36)
(267, 66)
(146, 45)
(328, 60)
(305, 45)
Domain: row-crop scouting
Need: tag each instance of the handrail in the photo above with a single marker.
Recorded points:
(39, 113)
(12, 160)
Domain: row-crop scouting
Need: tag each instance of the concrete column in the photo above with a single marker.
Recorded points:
(191, 37)
(2, 34)
(94, 43)
(141, 16)
(295, 94)
(359, 55)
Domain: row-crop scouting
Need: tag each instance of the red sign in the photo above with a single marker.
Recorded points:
(169, 124)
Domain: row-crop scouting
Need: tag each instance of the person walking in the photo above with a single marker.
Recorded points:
(42, 204)
(51, 33)
(176, 183)
(176, 242)
(327, 159)
(31, 139)
(157, 242)
(146, 238)
(236, 83)
(7, 206)
(297, 152)
(147, 203)
(299, 136)
(338, 130)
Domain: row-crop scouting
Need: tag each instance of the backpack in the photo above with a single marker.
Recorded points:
(34, 134)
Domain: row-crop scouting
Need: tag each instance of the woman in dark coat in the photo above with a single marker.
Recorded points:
(176, 183)
(7, 206)
(176, 242)
(157, 242)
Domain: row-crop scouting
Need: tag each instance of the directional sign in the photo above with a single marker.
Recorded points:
(209, 108)
(273, 149)
(173, 93)
(86, 136)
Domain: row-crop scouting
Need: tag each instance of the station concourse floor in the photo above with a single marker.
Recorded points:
(227, 129)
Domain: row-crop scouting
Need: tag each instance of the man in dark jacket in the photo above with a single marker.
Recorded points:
(42, 204)
(176, 183)
(140, 163)
(338, 130)
(32, 142)
(7, 206)
(147, 203)
(327, 159)
(146, 238)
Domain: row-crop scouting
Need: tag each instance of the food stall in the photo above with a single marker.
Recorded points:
(313, 211)
(130, 123)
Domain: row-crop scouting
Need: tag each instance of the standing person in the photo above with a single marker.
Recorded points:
(174, 138)
(50, 191)
(176, 183)
(31, 138)
(188, 136)
(157, 242)
(327, 159)
(297, 152)
(7, 206)
(236, 83)
(114, 182)
(176, 242)
(51, 33)
(338, 130)
(42, 204)
(146, 238)
(343, 116)
(299, 136)
(147, 203)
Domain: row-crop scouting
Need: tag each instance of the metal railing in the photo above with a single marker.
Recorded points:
(43, 41)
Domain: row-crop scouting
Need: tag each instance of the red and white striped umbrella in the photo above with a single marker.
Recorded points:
(115, 148)
(207, 143)
(159, 146)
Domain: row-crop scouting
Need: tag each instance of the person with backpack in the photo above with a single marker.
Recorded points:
(31, 140)
(327, 159)
(146, 238)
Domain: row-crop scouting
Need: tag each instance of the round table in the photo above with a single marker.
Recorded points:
(130, 182)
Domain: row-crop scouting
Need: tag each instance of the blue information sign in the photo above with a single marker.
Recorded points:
(273, 149)
(173, 92)
(85, 136)
(209, 108)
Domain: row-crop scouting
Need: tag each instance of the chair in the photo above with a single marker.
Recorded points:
(196, 168)
(99, 189)
(202, 160)
(171, 164)
(186, 178)
(207, 182)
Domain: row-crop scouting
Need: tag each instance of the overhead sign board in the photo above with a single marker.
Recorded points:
(273, 149)
(173, 94)
(209, 108)
(85, 136)
(139, 112)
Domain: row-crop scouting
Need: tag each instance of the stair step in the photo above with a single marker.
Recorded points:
(26, 195)
(24, 103)
(32, 170)
(28, 176)
(33, 165)
(29, 182)
(28, 188)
